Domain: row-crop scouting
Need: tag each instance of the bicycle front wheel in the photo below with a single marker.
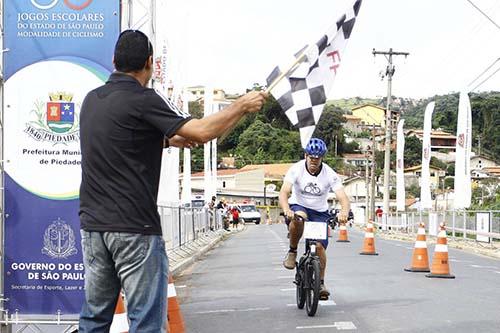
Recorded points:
(300, 292)
(313, 285)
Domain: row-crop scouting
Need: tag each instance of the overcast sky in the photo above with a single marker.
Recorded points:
(234, 43)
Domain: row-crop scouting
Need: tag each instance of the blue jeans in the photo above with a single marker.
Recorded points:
(136, 263)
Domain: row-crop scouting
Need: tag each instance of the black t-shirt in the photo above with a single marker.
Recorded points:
(122, 127)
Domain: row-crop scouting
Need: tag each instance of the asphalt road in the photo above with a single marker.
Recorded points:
(241, 286)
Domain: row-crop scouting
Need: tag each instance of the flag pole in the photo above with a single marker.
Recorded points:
(280, 77)
(297, 61)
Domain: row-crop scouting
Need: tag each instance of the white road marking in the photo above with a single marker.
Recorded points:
(339, 325)
(277, 263)
(458, 260)
(181, 286)
(287, 289)
(496, 272)
(232, 310)
(479, 266)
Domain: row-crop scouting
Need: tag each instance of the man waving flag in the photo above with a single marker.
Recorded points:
(301, 88)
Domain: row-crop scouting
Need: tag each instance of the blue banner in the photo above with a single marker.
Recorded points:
(56, 52)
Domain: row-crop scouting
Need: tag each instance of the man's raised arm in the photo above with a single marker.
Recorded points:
(207, 128)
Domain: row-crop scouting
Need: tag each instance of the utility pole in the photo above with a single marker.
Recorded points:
(388, 121)
(373, 184)
(367, 197)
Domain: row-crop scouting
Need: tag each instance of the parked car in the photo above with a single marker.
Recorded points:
(249, 213)
(197, 201)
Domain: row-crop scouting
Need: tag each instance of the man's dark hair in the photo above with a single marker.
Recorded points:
(132, 50)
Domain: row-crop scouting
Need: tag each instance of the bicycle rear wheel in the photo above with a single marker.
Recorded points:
(313, 281)
(300, 287)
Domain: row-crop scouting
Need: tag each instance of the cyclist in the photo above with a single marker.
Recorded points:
(305, 193)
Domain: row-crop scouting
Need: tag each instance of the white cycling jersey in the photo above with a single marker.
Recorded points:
(312, 191)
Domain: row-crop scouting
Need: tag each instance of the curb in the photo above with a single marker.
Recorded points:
(178, 267)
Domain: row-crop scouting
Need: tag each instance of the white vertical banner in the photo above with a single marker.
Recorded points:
(207, 148)
(186, 179)
(213, 189)
(400, 177)
(463, 191)
(425, 180)
(168, 191)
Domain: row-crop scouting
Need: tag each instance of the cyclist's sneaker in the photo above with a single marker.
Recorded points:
(323, 293)
(290, 259)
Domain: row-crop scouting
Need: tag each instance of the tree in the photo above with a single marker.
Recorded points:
(195, 110)
(330, 128)
(262, 143)
(449, 182)
(436, 162)
(413, 152)
(196, 159)
(413, 191)
(450, 169)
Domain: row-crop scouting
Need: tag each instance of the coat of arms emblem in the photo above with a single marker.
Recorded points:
(56, 121)
(461, 139)
(60, 112)
(59, 240)
(426, 153)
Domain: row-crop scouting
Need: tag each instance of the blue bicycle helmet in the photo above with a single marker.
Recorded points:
(316, 148)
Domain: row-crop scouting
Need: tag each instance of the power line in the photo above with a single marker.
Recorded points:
(485, 15)
(487, 69)
(498, 69)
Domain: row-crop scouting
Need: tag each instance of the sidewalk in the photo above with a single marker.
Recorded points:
(182, 257)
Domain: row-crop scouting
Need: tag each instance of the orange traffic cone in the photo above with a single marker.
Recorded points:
(420, 261)
(120, 320)
(369, 242)
(343, 234)
(440, 266)
(175, 320)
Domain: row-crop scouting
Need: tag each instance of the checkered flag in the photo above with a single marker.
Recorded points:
(301, 89)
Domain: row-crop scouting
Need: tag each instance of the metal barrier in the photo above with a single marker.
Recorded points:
(460, 224)
(182, 225)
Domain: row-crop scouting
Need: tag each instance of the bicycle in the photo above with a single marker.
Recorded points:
(307, 276)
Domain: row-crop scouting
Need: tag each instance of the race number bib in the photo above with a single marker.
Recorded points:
(314, 230)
